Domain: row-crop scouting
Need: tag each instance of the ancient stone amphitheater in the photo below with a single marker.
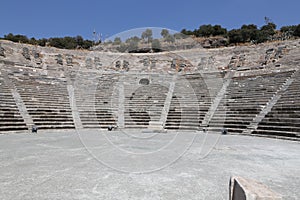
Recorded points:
(186, 98)
(244, 90)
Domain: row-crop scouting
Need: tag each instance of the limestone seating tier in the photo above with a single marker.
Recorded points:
(46, 100)
(85, 86)
(143, 104)
(94, 96)
(245, 98)
(10, 118)
(48, 104)
(49, 107)
(189, 104)
(105, 99)
(283, 120)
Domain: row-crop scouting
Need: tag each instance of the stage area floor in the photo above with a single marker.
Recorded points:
(135, 164)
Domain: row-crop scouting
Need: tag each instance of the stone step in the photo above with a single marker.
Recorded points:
(13, 128)
(182, 127)
(56, 127)
(212, 122)
(295, 123)
(195, 123)
(279, 128)
(12, 119)
(293, 118)
(274, 133)
(53, 123)
(12, 123)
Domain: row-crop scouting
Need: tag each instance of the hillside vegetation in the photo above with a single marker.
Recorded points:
(248, 33)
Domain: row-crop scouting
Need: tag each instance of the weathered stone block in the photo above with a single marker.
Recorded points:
(59, 59)
(35, 54)
(2, 51)
(247, 189)
(89, 63)
(97, 62)
(25, 53)
(69, 60)
(146, 62)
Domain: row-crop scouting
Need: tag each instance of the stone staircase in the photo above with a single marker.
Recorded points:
(167, 104)
(121, 108)
(216, 102)
(107, 100)
(75, 112)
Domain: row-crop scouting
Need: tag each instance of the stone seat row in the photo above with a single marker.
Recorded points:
(10, 118)
(244, 99)
(46, 101)
(284, 117)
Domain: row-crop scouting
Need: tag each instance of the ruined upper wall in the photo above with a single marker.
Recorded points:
(241, 58)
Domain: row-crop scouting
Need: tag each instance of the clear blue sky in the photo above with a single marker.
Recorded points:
(58, 18)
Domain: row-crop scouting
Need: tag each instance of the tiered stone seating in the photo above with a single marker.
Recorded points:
(10, 118)
(85, 86)
(283, 120)
(144, 103)
(105, 99)
(244, 99)
(190, 102)
(46, 100)
(93, 96)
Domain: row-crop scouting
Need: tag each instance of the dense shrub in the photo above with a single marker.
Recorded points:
(63, 43)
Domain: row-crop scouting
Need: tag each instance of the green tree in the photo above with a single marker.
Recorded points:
(64, 43)
(164, 33)
(178, 36)
(269, 28)
(42, 42)
(266, 32)
(16, 38)
(290, 29)
(204, 31)
(219, 30)
(69, 42)
(155, 44)
(122, 48)
(87, 44)
(209, 30)
(133, 39)
(186, 32)
(133, 46)
(297, 31)
(117, 41)
(235, 36)
(33, 41)
(170, 38)
(147, 35)
(249, 33)
(56, 42)
(79, 40)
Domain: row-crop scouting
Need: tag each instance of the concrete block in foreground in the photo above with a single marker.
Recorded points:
(247, 189)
